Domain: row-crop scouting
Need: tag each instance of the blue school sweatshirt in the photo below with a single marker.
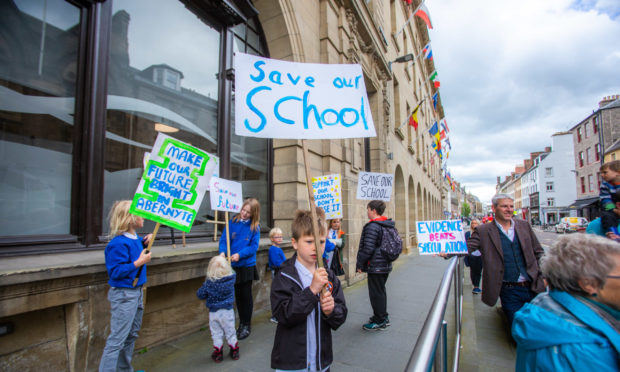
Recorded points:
(276, 257)
(120, 254)
(242, 241)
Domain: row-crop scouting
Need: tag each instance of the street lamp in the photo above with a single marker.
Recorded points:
(401, 59)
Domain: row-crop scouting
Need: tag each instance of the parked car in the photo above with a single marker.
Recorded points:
(571, 224)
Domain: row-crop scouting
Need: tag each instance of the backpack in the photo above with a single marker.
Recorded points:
(391, 245)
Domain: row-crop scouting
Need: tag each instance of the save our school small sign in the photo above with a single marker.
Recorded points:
(280, 99)
(445, 236)
(173, 184)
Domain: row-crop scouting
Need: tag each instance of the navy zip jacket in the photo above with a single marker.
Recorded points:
(219, 293)
(290, 305)
(243, 241)
(369, 256)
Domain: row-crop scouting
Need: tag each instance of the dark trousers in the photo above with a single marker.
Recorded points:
(608, 220)
(245, 303)
(378, 296)
(475, 269)
(513, 299)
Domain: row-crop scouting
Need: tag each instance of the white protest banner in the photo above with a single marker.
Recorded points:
(225, 195)
(173, 184)
(327, 195)
(279, 99)
(441, 237)
(374, 186)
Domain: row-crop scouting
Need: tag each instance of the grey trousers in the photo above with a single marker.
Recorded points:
(222, 324)
(126, 309)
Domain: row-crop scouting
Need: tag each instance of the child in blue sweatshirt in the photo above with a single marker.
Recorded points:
(125, 259)
(276, 255)
(244, 237)
(219, 291)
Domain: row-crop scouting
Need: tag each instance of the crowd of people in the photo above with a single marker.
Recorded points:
(562, 306)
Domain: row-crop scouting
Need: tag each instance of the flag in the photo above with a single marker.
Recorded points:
(442, 134)
(435, 96)
(428, 53)
(413, 119)
(444, 124)
(434, 79)
(434, 131)
(423, 13)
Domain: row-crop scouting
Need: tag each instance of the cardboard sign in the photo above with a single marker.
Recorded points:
(374, 186)
(328, 195)
(441, 237)
(225, 195)
(279, 99)
(173, 184)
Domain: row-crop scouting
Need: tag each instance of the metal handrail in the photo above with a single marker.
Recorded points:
(431, 345)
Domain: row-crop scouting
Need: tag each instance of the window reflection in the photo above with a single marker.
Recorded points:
(38, 59)
(158, 80)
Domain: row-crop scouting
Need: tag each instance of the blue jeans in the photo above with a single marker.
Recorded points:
(126, 309)
(513, 299)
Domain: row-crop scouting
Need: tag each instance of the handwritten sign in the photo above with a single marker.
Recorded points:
(225, 195)
(279, 99)
(328, 195)
(441, 236)
(173, 184)
(374, 186)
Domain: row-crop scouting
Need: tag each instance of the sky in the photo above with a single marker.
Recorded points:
(513, 72)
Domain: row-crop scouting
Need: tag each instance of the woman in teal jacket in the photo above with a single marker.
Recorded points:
(576, 325)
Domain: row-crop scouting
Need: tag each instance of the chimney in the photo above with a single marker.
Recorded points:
(548, 149)
(528, 163)
(499, 180)
(519, 169)
(607, 100)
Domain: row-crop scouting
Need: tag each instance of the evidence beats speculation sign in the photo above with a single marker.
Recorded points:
(441, 237)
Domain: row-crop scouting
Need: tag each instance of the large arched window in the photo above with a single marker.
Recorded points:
(85, 87)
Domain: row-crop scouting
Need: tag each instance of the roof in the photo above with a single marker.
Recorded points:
(614, 104)
(614, 146)
(581, 203)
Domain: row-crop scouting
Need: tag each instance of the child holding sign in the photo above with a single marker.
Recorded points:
(244, 237)
(219, 290)
(305, 312)
(124, 256)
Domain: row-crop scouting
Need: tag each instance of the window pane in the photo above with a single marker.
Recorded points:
(38, 59)
(158, 80)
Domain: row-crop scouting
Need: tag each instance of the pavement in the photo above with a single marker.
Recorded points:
(411, 289)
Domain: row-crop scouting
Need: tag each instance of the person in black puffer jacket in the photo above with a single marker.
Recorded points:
(370, 260)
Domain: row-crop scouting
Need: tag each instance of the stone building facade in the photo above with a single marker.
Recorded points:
(100, 104)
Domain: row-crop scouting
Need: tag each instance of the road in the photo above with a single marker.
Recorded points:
(546, 238)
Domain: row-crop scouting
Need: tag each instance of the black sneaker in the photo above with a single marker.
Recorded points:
(243, 332)
(234, 351)
(387, 321)
(372, 326)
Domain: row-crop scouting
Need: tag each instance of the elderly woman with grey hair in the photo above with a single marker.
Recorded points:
(576, 325)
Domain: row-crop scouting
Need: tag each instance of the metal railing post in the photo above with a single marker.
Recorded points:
(431, 347)
(441, 353)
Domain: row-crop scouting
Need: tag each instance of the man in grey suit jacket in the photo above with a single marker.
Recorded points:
(510, 254)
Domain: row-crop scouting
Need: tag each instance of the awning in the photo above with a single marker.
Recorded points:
(582, 203)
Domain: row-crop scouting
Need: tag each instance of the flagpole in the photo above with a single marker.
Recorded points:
(409, 19)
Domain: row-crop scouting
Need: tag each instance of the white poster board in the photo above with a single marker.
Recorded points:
(279, 99)
(374, 186)
(175, 179)
(328, 195)
(441, 237)
(225, 195)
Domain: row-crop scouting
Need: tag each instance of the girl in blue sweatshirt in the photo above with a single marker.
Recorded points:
(124, 259)
(244, 237)
(219, 291)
